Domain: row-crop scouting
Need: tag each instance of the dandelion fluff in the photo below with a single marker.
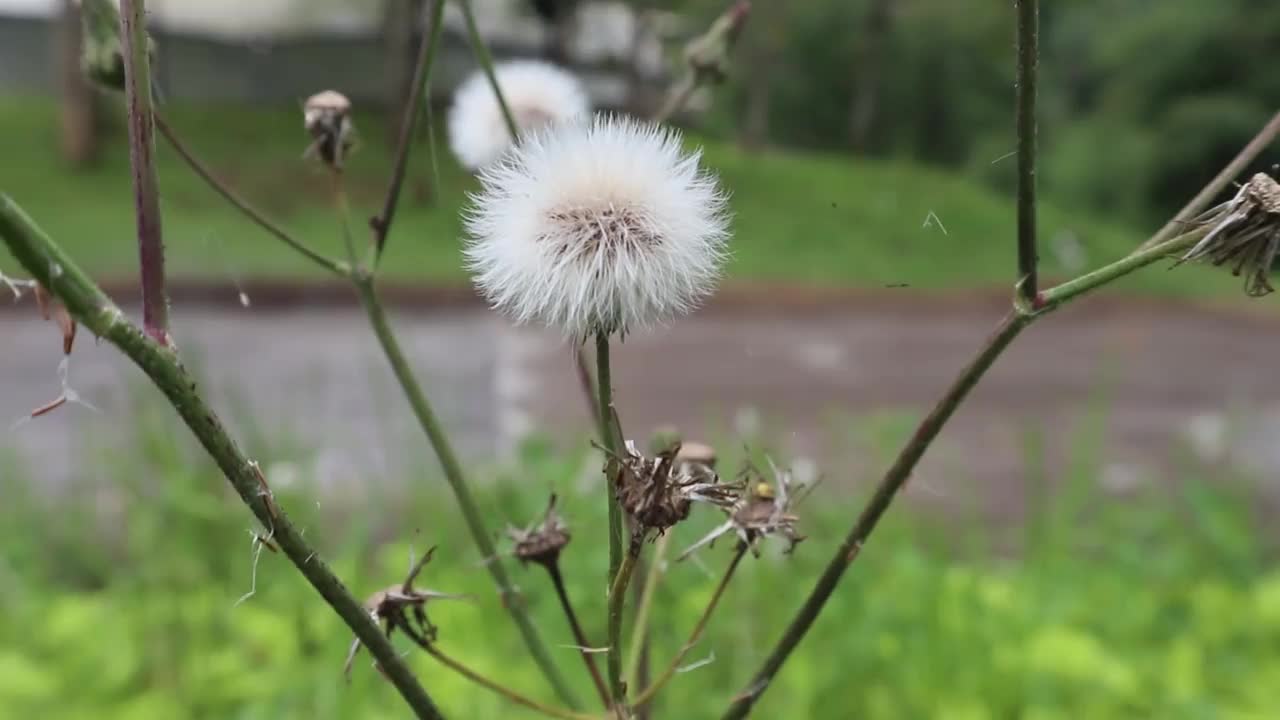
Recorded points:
(537, 94)
(597, 226)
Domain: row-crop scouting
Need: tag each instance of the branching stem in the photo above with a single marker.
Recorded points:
(500, 689)
(579, 636)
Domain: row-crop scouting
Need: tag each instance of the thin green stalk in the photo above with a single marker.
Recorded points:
(617, 601)
(579, 635)
(604, 395)
(142, 161)
(640, 630)
(1025, 313)
(500, 689)
(1229, 173)
(698, 629)
(46, 262)
(893, 481)
(485, 59)
(677, 98)
(426, 417)
(381, 224)
(1025, 119)
(343, 207)
(248, 210)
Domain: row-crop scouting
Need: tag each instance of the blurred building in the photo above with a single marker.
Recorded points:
(274, 51)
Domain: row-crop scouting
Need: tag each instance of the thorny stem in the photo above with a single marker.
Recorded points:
(45, 261)
(900, 471)
(457, 483)
(486, 64)
(641, 628)
(243, 205)
(381, 224)
(579, 637)
(1229, 173)
(1025, 117)
(698, 629)
(142, 149)
(617, 600)
(500, 689)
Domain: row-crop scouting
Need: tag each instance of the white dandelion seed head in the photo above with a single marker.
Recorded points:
(537, 94)
(602, 225)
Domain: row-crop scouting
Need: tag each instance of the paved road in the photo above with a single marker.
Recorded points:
(833, 385)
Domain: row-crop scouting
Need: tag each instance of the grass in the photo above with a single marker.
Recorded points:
(118, 601)
(800, 218)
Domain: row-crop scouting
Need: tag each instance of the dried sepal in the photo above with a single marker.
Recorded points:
(659, 492)
(542, 541)
(327, 118)
(764, 510)
(50, 308)
(403, 607)
(1243, 232)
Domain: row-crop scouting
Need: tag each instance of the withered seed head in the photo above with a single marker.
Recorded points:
(327, 118)
(765, 510)
(543, 541)
(1244, 231)
(659, 492)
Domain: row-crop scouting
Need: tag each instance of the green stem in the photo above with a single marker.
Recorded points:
(381, 224)
(500, 689)
(458, 484)
(46, 262)
(239, 203)
(617, 600)
(885, 493)
(579, 636)
(1025, 314)
(698, 629)
(1025, 119)
(142, 161)
(604, 396)
(641, 628)
(485, 59)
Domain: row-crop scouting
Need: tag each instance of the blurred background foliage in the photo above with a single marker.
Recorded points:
(1142, 101)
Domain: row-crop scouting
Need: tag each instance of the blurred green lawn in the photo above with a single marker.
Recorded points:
(800, 218)
(118, 601)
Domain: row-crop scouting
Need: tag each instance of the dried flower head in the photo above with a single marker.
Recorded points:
(659, 492)
(537, 93)
(1244, 231)
(403, 607)
(327, 118)
(597, 227)
(764, 509)
(542, 541)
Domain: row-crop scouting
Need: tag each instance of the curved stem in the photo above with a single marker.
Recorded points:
(617, 601)
(1025, 119)
(87, 303)
(579, 636)
(243, 205)
(486, 64)
(500, 689)
(453, 474)
(677, 98)
(698, 629)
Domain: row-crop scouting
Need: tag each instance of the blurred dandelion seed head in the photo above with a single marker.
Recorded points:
(537, 93)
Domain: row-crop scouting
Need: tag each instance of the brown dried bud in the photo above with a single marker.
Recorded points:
(1244, 231)
(708, 54)
(327, 118)
(659, 492)
(542, 541)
